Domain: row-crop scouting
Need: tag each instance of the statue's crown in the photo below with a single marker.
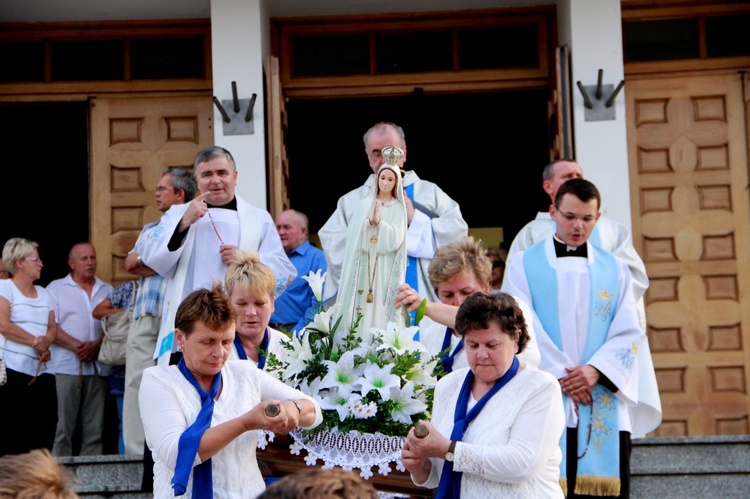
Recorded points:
(392, 154)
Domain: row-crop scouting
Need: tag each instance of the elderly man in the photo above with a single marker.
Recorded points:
(193, 243)
(81, 380)
(589, 335)
(433, 217)
(294, 308)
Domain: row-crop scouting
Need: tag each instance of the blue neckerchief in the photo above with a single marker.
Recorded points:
(190, 440)
(242, 354)
(412, 276)
(448, 358)
(450, 481)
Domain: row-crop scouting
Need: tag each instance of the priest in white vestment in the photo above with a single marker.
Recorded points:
(193, 243)
(590, 339)
(433, 217)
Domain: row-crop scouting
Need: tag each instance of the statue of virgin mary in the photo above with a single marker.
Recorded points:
(375, 256)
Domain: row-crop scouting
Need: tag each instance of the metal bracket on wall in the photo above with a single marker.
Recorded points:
(597, 109)
(239, 120)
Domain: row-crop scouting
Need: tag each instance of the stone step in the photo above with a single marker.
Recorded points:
(662, 467)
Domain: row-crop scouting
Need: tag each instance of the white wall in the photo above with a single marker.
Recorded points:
(593, 29)
(236, 31)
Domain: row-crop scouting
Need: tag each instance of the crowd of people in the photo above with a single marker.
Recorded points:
(538, 346)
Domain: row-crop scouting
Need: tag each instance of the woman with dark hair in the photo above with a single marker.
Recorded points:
(496, 425)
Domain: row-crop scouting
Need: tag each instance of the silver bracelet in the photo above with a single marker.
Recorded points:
(298, 405)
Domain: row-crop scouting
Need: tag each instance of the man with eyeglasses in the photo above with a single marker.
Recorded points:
(587, 326)
(175, 186)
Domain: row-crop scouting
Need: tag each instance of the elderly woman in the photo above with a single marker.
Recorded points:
(375, 257)
(28, 399)
(496, 426)
(251, 286)
(200, 416)
(457, 270)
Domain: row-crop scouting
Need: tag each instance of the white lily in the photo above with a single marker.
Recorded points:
(341, 403)
(380, 379)
(406, 405)
(422, 373)
(400, 340)
(315, 280)
(298, 356)
(342, 374)
(322, 320)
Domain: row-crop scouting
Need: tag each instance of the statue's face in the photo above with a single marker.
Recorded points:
(386, 180)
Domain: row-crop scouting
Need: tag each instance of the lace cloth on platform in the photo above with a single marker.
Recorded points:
(350, 450)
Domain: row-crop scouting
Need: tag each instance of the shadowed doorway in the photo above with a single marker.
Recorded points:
(485, 150)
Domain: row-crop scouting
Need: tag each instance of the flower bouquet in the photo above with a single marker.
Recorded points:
(373, 387)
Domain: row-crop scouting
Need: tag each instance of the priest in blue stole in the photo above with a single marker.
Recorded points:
(587, 326)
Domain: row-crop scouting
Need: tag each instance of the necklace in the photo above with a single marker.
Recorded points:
(215, 229)
(371, 275)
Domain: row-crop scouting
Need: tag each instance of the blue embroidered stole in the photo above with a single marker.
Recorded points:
(190, 440)
(412, 274)
(598, 435)
(243, 354)
(450, 481)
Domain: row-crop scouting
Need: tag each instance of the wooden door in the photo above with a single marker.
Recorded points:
(132, 141)
(278, 162)
(687, 148)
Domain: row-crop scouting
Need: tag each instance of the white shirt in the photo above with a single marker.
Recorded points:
(511, 449)
(31, 315)
(169, 404)
(73, 308)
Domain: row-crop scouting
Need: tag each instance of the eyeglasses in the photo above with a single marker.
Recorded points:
(34, 260)
(497, 263)
(161, 189)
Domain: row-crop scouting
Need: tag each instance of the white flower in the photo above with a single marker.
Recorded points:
(322, 320)
(364, 411)
(342, 374)
(298, 356)
(341, 403)
(380, 379)
(400, 340)
(311, 388)
(405, 405)
(315, 280)
(421, 374)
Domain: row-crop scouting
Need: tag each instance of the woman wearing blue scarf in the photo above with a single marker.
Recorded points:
(251, 286)
(496, 425)
(458, 269)
(200, 416)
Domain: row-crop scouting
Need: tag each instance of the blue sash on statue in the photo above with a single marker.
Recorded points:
(598, 430)
(243, 354)
(450, 481)
(187, 447)
(412, 274)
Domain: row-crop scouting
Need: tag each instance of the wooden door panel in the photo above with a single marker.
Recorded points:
(688, 166)
(132, 141)
(278, 162)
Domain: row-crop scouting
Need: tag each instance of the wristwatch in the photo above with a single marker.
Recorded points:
(449, 455)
